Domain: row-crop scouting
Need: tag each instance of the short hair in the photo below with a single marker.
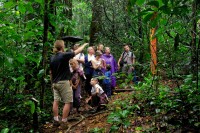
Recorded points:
(95, 78)
(100, 44)
(107, 47)
(73, 61)
(98, 53)
(89, 48)
(127, 44)
(76, 45)
(58, 45)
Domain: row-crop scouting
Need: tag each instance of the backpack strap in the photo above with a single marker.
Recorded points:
(86, 58)
(123, 55)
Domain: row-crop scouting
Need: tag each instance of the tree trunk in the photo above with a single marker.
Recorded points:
(44, 52)
(194, 61)
(95, 26)
(52, 10)
(140, 37)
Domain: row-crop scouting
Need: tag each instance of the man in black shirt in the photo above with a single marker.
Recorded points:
(60, 75)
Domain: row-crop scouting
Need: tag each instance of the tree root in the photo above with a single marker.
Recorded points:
(84, 117)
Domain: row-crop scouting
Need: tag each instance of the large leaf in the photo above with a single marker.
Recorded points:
(165, 1)
(132, 2)
(32, 106)
(153, 3)
(148, 16)
(40, 1)
(9, 4)
(140, 2)
(20, 58)
(165, 9)
(5, 130)
(21, 8)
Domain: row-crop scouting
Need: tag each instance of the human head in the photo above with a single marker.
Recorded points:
(108, 67)
(59, 45)
(107, 50)
(100, 47)
(126, 47)
(76, 46)
(90, 50)
(94, 81)
(98, 54)
(73, 63)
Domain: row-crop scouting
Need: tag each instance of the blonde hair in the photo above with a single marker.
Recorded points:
(58, 45)
(74, 61)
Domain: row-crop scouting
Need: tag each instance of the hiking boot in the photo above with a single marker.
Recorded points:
(92, 111)
(56, 123)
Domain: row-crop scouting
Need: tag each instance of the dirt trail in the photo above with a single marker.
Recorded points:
(86, 121)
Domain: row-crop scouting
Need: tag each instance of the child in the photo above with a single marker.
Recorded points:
(106, 81)
(76, 83)
(98, 97)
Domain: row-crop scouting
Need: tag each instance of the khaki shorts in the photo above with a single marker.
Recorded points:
(62, 91)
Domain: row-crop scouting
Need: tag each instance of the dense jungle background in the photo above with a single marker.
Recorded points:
(166, 101)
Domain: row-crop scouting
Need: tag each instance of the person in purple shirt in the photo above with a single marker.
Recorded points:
(109, 59)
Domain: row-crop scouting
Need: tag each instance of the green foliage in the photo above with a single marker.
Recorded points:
(179, 106)
(21, 45)
(5, 130)
(97, 130)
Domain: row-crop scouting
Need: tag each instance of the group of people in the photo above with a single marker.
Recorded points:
(69, 70)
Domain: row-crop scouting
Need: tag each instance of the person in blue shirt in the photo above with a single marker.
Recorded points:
(107, 81)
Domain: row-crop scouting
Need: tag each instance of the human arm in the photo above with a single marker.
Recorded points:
(103, 62)
(82, 59)
(94, 65)
(133, 60)
(80, 48)
(118, 63)
(50, 73)
(88, 99)
(74, 86)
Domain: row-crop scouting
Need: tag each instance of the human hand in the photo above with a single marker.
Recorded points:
(87, 100)
(86, 44)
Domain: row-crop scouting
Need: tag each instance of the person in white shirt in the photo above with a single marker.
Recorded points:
(98, 96)
(88, 69)
(79, 57)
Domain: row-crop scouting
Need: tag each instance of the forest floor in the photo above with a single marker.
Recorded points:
(98, 122)
(87, 121)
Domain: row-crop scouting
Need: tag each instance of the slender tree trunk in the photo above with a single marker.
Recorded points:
(95, 27)
(44, 52)
(52, 10)
(141, 37)
(194, 61)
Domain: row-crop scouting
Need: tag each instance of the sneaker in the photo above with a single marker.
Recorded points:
(92, 111)
(56, 123)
